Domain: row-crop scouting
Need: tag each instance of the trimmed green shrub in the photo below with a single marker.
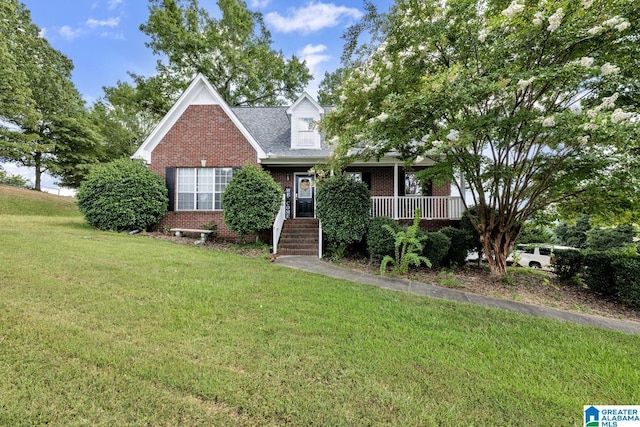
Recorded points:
(251, 200)
(436, 247)
(12, 180)
(599, 271)
(122, 195)
(568, 263)
(627, 279)
(474, 243)
(344, 207)
(461, 243)
(380, 242)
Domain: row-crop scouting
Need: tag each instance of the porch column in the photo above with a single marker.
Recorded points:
(395, 190)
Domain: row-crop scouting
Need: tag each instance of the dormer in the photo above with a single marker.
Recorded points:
(305, 114)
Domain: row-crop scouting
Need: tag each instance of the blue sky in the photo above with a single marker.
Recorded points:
(103, 39)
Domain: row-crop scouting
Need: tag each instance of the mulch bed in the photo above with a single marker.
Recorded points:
(528, 286)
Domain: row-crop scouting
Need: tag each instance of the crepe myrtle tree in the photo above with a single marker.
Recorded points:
(519, 97)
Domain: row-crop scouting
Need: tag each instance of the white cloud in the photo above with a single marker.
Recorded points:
(312, 17)
(312, 54)
(111, 22)
(113, 35)
(112, 4)
(69, 33)
(260, 4)
(314, 57)
(311, 49)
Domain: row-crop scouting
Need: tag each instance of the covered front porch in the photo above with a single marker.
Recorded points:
(432, 208)
(396, 192)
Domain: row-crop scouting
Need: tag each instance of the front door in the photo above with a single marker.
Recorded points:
(305, 196)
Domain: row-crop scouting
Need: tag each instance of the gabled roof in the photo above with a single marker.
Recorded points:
(199, 92)
(309, 98)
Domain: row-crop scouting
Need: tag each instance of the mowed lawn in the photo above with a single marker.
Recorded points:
(106, 329)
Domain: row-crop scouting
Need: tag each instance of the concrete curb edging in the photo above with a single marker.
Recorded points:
(314, 265)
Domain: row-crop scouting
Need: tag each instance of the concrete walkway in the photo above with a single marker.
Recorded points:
(314, 265)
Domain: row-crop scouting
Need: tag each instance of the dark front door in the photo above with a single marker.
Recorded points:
(305, 196)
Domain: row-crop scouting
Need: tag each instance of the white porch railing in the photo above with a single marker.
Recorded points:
(432, 207)
(277, 225)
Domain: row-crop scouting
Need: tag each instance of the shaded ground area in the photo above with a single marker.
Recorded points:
(527, 285)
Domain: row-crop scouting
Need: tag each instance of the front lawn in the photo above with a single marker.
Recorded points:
(99, 328)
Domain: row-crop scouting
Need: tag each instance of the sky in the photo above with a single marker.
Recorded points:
(103, 39)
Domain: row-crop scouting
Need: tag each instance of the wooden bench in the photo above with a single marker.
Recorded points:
(203, 233)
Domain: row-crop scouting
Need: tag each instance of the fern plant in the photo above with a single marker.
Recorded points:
(408, 247)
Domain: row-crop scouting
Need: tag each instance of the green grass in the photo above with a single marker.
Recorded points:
(19, 201)
(99, 328)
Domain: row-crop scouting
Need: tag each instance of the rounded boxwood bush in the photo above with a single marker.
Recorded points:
(599, 273)
(344, 207)
(568, 263)
(461, 243)
(380, 242)
(436, 247)
(122, 195)
(251, 200)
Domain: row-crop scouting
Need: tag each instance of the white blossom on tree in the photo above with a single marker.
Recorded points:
(527, 100)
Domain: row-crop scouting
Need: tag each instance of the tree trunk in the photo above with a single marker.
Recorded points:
(497, 246)
(38, 164)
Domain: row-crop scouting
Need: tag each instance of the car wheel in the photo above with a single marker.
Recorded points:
(535, 265)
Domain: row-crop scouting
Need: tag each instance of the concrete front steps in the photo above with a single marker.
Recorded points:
(299, 237)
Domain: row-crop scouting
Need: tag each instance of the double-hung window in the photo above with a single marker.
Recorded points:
(412, 186)
(201, 188)
(305, 132)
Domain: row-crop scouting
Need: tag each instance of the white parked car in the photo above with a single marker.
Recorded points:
(535, 255)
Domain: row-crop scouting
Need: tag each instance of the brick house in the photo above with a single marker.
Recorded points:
(201, 140)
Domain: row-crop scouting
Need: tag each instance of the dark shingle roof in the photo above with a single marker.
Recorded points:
(271, 128)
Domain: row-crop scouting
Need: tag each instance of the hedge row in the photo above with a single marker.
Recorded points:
(611, 273)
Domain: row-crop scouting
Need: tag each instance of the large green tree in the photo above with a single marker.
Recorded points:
(234, 52)
(122, 120)
(329, 89)
(44, 124)
(523, 98)
(17, 44)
